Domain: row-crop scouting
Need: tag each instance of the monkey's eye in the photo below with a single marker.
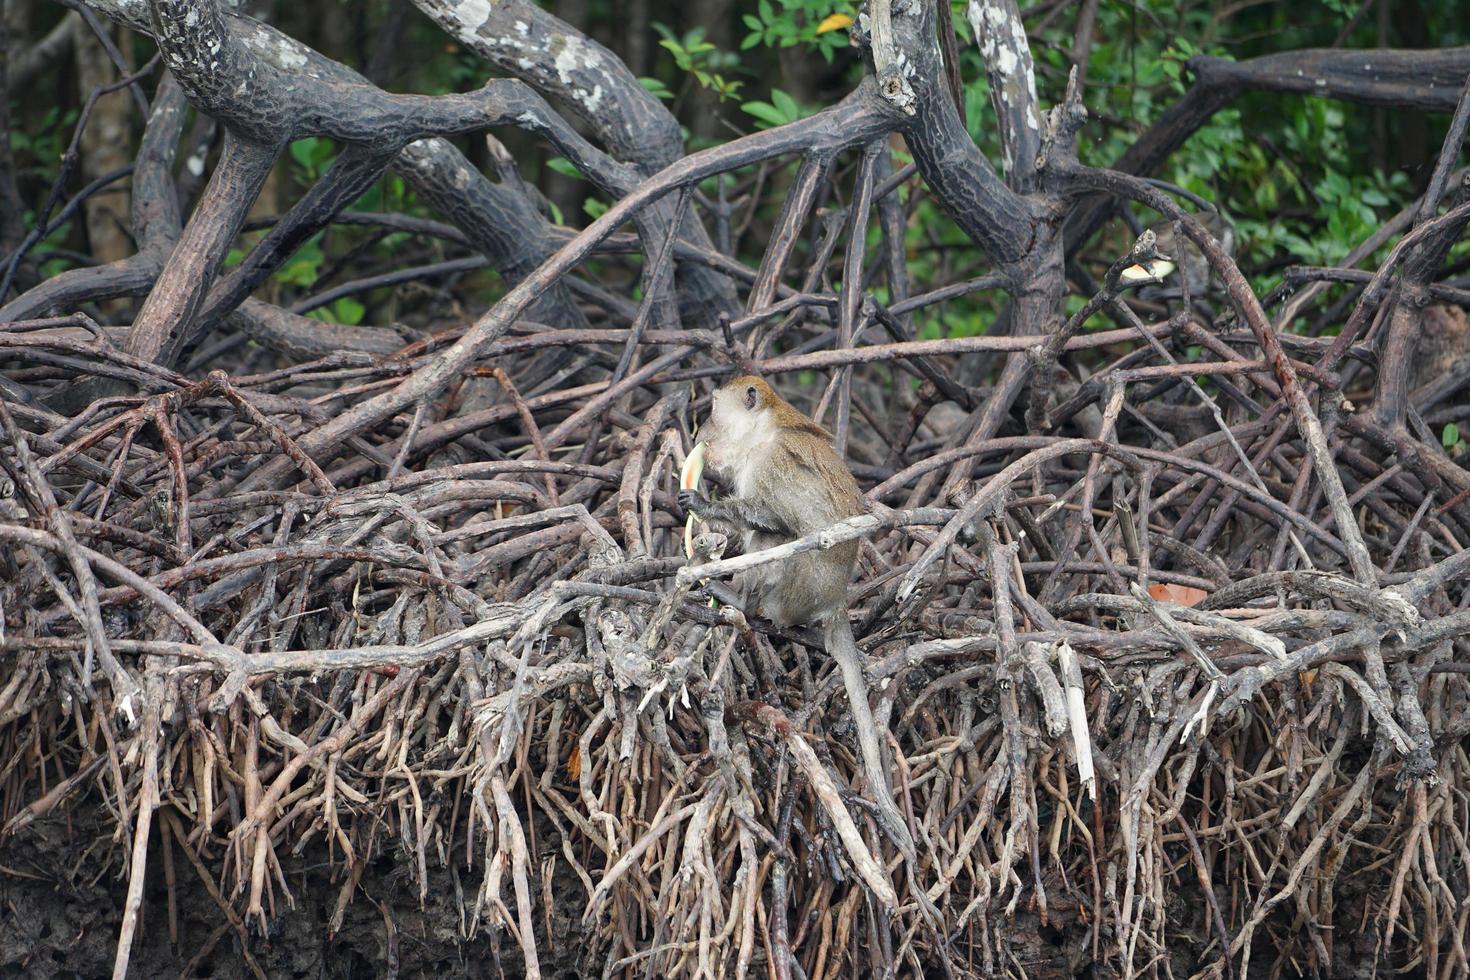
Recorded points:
(750, 397)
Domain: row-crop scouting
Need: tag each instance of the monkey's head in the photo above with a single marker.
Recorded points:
(746, 416)
(742, 416)
(745, 394)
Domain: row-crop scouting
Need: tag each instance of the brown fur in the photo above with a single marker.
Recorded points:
(777, 461)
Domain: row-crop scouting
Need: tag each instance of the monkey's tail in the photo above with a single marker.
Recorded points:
(842, 647)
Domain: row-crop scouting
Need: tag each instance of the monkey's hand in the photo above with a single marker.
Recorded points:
(693, 500)
(739, 513)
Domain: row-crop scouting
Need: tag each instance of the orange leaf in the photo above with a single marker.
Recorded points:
(834, 22)
(574, 761)
(1184, 595)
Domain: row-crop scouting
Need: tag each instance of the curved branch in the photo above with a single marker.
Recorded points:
(501, 223)
(162, 327)
(528, 43)
(1002, 222)
(1426, 80)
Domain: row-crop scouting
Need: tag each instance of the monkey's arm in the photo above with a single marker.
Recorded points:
(738, 512)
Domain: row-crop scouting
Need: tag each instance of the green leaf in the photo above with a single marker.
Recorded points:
(348, 310)
(563, 166)
(301, 150)
(298, 273)
(785, 104)
(312, 153)
(594, 208)
(303, 267)
(765, 112)
(1451, 435)
(657, 88)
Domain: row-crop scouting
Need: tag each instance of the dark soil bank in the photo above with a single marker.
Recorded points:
(61, 905)
(62, 893)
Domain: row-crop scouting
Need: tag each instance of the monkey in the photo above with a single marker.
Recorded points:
(785, 480)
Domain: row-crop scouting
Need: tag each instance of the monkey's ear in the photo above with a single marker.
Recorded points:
(751, 397)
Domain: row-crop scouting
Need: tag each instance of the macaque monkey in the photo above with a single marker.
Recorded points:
(785, 481)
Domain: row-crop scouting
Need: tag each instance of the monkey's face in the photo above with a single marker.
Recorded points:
(741, 422)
